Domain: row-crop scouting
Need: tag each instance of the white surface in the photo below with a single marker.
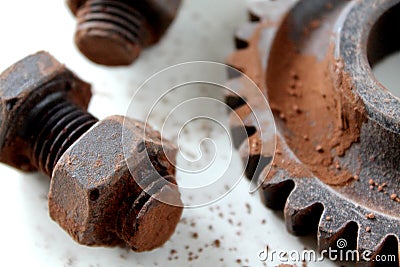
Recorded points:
(387, 72)
(203, 31)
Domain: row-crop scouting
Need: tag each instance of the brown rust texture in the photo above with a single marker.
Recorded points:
(103, 191)
(113, 33)
(121, 193)
(313, 104)
(248, 60)
(319, 115)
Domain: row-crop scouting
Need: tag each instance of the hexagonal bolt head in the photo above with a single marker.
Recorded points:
(105, 204)
(23, 86)
(113, 32)
(111, 194)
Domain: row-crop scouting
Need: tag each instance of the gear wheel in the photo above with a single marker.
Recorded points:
(336, 168)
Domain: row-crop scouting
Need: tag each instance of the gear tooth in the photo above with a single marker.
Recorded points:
(233, 96)
(245, 124)
(255, 10)
(302, 217)
(241, 59)
(249, 118)
(242, 88)
(274, 195)
(303, 221)
(244, 34)
(256, 150)
(342, 238)
(235, 59)
(387, 245)
(254, 161)
(241, 125)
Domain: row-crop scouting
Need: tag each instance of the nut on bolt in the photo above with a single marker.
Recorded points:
(102, 193)
(113, 32)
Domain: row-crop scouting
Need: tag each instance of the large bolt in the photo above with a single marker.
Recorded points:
(102, 193)
(113, 32)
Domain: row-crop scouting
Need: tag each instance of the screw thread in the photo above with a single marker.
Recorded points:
(115, 21)
(56, 124)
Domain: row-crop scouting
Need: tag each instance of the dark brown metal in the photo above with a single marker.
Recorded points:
(342, 40)
(93, 194)
(113, 32)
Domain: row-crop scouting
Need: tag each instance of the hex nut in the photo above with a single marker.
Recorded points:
(95, 194)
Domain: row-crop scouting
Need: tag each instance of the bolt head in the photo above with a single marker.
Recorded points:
(114, 33)
(22, 87)
(95, 194)
(161, 12)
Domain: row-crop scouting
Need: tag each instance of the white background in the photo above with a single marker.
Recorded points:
(203, 31)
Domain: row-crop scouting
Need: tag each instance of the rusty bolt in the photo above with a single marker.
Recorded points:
(113, 32)
(102, 193)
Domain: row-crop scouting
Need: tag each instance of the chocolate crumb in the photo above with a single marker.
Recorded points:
(217, 243)
(337, 166)
(248, 207)
(195, 235)
(296, 108)
(370, 216)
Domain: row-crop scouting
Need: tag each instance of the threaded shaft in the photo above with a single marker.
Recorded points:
(56, 124)
(121, 17)
(110, 32)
